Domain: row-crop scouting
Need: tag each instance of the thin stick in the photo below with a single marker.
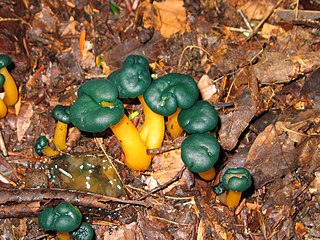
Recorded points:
(3, 145)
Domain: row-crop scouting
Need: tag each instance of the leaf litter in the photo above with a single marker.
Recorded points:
(265, 88)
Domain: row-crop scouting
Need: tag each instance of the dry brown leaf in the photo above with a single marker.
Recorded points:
(256, 10)
(24, 120)
(269, 30)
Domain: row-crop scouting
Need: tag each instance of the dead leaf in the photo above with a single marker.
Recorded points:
(207, 87)
(269, 30)
(256, 10)
(24, 119)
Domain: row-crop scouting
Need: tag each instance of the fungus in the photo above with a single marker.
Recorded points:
(42, 147)
(62, 219)
(3, 106)
(132, 81)
(236, 181)
(9, 86)
(168, 94)
(98, 108)
(61, 114)
(200, 152)
(200, 118)
(84, 232)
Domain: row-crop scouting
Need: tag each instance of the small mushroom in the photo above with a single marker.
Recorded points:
(132, 81)
(9, 86)
(3, 106)
(84, 232)
(98, 108)
(200, 152)
(170, 93)
(236, 181)
(61, 114)
(62, 219)
(200, 118)
(42, 147)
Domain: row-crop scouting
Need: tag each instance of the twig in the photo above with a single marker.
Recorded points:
(166, 148)
(256, 29)
(79, 198)
(3, 145)
(191, 47)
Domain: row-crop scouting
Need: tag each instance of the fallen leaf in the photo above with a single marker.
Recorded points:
(207, 87)
(24, 119)
(269, 30)
(256, 10)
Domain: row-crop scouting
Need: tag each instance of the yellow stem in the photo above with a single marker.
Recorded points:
(3, 109)
(60, 136)
(136, 157)
(49, 152)
(63, 236)
(10, 88)
(208, 175)
(233, 198)
(173, 126)
(152, 130)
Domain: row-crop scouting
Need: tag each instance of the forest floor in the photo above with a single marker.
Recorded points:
(257, 62)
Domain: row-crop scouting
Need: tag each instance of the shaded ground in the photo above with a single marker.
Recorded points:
(265, 86)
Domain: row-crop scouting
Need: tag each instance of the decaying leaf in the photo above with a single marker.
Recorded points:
(207, 87)
(24, 119)
(256, 10)
(269, 30)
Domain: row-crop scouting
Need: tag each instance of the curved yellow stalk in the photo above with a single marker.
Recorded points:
(135, 150)
(3, 109)
(49, 152)
(173, 126)
(208, 175)
(60, 135)
(63, 236)
(152, 130)
(10, 88)
(233, 198)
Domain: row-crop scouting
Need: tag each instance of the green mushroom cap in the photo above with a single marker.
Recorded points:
(2, 80)
(88, 113)
(4, 61)
(200, 152)
(84, 232)
(68, 217)
(200, 118)
(133, 78)
(61, 113)
(172, 91)
(46, 218)
(237, 179)
(41, 142)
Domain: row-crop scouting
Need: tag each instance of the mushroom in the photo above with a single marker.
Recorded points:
(62, 219)
(42, 147)
(170, 93)
(200, 118)
(98, 108)
(9, 86)
(3, 106)
(236, 181)
(132, 81)
(84, 232)
(199, 152)
(61, 114)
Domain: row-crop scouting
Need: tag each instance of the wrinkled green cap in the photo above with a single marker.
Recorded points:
(200, 152)
(84, 232)
(133, 78)
(200, 118)
(237, 179)
(88, 114)
(46, 218)
(172, 91)
(4, 61)
(41, 142)
(68, 217)
(2, 80)
(61, 113)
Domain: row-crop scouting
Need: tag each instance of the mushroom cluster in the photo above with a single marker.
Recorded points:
(66, 220)
(8, 84)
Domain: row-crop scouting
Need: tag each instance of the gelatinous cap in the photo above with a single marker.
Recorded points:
(68, 217)
(84, 232)
(172, 91)
(41, 142)
(4, 61)
(61, 113)
(200, 152)
(200, 118)
(237, 179)
(97, 106)
(133, 78)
